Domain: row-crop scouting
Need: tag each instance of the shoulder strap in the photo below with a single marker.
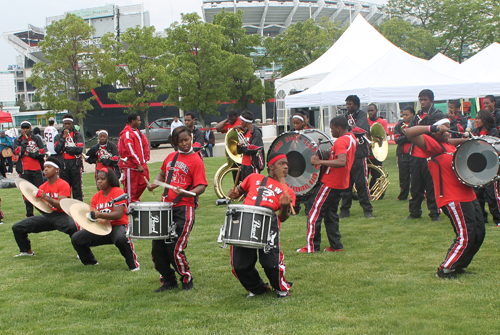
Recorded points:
(433, 158)
(261, 190)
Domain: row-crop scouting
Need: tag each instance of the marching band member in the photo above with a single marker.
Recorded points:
(184, 170)
(69, 147)
(232, 121)
(485, 125)
(402, 152)
(104, 208)
(196, 133)
(458, 122)
(104, 154)
(457, 200)
(490, 104)
(267, 192)
(51, 192)
(252, 150)
(372, 118)
(299, 122)
(334, 182)
(133, 147)
(357, 124)
(420, 180)
(30, 150)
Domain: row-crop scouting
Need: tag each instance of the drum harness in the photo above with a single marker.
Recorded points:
(433, 158)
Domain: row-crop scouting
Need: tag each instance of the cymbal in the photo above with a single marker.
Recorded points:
(66, 204)
(79, 211)
(27, 190)
(380, 145)
(18, 181)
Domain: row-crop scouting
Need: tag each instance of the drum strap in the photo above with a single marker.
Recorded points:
(433, 158)
(169, 177)
(261, 190)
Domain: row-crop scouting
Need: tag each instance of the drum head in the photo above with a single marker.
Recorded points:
(476, 162)
(299, 148)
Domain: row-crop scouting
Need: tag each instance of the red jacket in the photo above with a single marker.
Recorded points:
(134, 146)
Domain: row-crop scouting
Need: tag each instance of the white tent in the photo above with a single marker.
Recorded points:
(395, 77)
(484, 69)
(362, 43)
(442, 63)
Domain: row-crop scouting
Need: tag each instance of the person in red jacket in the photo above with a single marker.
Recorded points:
(134, 151)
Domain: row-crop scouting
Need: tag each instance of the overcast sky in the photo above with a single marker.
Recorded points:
(18, 13)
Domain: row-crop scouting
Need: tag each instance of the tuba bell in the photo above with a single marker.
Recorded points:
(378, 143)
(228, 170)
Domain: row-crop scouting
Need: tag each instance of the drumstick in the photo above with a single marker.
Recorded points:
(160, 183)
(285, 188)
(147, 181)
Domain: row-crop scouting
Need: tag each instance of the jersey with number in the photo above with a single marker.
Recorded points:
(102, 204)
(270, 197)
(59, 188)
(49, 134)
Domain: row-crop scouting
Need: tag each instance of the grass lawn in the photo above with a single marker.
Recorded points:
(383, 282)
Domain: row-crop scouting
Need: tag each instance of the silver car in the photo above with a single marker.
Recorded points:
(160, 131)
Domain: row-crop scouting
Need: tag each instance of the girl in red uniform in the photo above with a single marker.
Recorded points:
(116, 213)
(184, 170)
(458, 201)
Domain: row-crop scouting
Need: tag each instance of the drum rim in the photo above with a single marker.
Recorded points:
(467, 143)
(257, 208)
(149, 204)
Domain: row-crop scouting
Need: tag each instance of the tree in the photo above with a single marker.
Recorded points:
(198, 73)
(71, 67)
(302, 43)
(246, 86)
(36, 107)
(22, 105)
(137, 61)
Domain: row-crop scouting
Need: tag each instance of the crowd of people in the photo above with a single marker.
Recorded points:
(424, 154)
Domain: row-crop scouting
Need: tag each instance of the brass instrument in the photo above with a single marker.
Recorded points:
(233, 161)
(404, 126)
(379, 143)
(350, 121)
(378, 189)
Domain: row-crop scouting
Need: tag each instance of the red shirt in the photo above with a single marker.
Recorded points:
(228, 126)
(338, 178)
(453, 189)
(30, 163)
(383, 122)
(101, 204)
(59, 188)
(247, 159)
(270, 197)
(189, 172)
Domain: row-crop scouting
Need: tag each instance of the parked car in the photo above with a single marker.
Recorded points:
(160, 133)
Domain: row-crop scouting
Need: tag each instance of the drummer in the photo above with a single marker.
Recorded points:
(276, 197)
(116, 213)
(187, 173)
(50, 192)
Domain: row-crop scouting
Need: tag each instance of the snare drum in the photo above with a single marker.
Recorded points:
(247, 226)
(151, 220)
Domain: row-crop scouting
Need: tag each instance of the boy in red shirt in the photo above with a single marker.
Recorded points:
(187, 173)
(458, 201)
(276, 197)
(329, 192)
(52, 191)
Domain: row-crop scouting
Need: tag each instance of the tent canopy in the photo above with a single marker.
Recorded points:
(442, 63)
(5, 117)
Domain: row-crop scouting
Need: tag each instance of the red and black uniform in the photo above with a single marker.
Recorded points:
(69, 151)
(420, 177)
(83, 240)
(57, 220)
(228, 126)
(489, 193)
(109, 155)
(375, 174)
(458, 123)
(458, 202)
(30, 163)
(328, 195)
(359, 171)
(243, 259)
(253, 154)
(403, 155)
(133, 146)
(169, 257)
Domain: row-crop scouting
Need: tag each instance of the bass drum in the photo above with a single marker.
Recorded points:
(299, 147)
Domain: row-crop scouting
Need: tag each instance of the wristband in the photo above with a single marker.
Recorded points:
(433, 129)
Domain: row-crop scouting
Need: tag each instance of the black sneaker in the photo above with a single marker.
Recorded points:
(344, 215)
(462, 271)
(167, 287)
(447, 275)
(369, 215)
(411, 217)
(251, 295)
(282, 294)
(435, 218)
(188, 286)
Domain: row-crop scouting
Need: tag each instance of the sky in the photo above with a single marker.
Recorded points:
(17, 15)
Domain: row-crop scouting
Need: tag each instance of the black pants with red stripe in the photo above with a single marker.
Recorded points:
(168, 256)
(404, 176)
(467, 222)
(359, 177)
(243, 262)
(83, 240)
(489, 194)
(72, 174)
(421, 186)
(36, 178)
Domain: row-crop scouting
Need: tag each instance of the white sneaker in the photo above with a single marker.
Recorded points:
(24, 254)
(136, 269)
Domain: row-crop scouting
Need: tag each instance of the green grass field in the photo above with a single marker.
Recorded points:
(383, 283)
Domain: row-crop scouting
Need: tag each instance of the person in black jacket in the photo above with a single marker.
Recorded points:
(421, 179)
(490, 104)
(458, 122)
(486, 126)
(402, 152)
(69, 148)
(104, 154)
(359, 126)
(253, 151)
(30, 150)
